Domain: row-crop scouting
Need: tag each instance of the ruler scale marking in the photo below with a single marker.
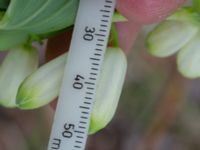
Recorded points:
(85, 58)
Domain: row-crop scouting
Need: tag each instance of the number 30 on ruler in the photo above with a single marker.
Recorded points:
(89, 41)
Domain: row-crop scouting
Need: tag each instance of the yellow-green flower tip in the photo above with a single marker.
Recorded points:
(42, 86)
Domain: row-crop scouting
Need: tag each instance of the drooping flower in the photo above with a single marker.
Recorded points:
(180, 34)
(18, 64)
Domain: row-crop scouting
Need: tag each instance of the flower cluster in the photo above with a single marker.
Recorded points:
(25, 85)
(180, 33)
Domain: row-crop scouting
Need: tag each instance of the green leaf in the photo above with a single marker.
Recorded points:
(37, 17)
(4, 4)
(169, 36)
(196, 5)
(189, 58)
(1, 14)
(18, 64)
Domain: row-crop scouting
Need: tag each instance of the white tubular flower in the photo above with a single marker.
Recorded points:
(188, 58)
(180, 32)
(42, 86)
(18, 64)
(169, 36)
(109, 89)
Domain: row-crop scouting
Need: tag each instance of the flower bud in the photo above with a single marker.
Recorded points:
(169, 36)
(189, 57)
(18, 64)
(44, 85)
(108, 89)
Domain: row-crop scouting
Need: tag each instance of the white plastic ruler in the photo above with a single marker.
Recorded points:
(88, 45)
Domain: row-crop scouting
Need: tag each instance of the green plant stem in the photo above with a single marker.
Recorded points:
(114, 41)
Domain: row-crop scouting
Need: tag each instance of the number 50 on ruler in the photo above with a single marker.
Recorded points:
(89, 41)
